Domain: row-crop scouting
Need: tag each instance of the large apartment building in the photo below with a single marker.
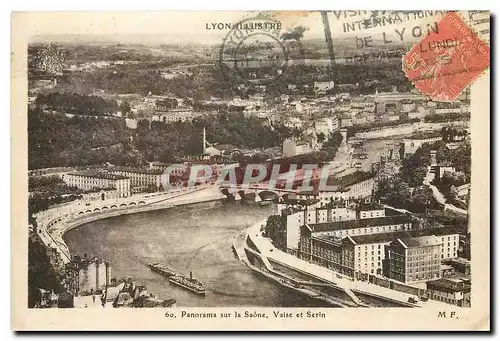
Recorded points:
(453, 291)
(414, 259)
(350, 246)
(361, 253)
(93, 179)
(142, 179)
(358, 185)
(323, 221)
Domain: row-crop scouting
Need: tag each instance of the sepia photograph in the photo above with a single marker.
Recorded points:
(279, 165)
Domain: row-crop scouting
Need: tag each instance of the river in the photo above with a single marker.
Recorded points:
(195, 238)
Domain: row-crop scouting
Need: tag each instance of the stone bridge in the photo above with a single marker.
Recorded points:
(257, 193)
(109, 207)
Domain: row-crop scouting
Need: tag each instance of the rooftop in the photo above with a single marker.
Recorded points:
(370, 206)
(352, 224)
(349, 180)
(448, 285)
(98, 174)
(380, 237)
(136, 170)
(403, 235)
(446, 267)
(328, 239)
(302, 202)
(461, 261)
(420, 241)
(224, 147)
(445, 230)
(159, 163)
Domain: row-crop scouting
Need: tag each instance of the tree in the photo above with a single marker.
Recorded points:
(124, 107)
(421, 198)
(49, 59)
(445, 134)
(41, 274)
(275, 229)
(321, 137)
(76, 103)
(414, 168)
(394, 192)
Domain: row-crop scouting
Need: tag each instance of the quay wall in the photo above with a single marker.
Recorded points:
(332, 286)
(52, 230)
(404, 129)
(285, 274)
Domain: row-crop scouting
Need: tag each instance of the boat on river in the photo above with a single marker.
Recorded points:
(162, 269)
(189, 283)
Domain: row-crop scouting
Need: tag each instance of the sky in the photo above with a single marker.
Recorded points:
(161, 27)
(154, 27)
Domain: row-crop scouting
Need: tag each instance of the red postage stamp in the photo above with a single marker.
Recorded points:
(447, 60)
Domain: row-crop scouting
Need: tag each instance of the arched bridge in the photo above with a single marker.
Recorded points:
(110, 207)
(259, 192)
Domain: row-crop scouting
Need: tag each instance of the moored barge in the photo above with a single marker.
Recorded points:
(162, 269)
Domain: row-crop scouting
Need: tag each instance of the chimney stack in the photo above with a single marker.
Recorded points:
(204, 140)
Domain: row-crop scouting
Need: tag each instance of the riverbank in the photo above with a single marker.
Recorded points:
(51, 231)
(404, 130)
(318, 282)
(267, 270)
(194, 238)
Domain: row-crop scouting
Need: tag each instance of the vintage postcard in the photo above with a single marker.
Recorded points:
(284, 170)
